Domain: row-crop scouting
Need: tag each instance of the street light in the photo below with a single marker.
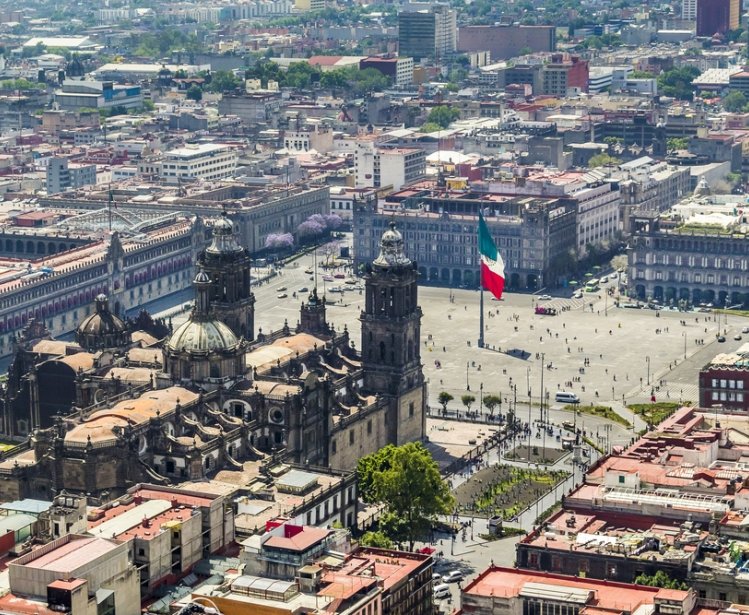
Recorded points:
(647, 360)
(481, 399)
(468, 386)
(685, 344)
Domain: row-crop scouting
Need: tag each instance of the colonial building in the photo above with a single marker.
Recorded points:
(697, 254)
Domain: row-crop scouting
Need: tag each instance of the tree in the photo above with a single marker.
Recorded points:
(444, 398)
(430, 127)
(677, 143)
(734, 102)
(410, 488)
(491, 402)
(467, 400)
(224, 81)
(194, 93)
(279, 241)
(660, 579)
(603, 160)
(443, 115)
(678, 82)
(376, 539)
(366, 469)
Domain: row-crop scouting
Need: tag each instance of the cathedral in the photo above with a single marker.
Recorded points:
(138, 401)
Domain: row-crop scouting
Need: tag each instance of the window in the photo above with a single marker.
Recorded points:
(369, 427)
(333, 447)
(351, 437)
(411, 409)
(621, 479)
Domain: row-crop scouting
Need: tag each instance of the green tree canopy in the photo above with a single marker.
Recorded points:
(660, 579)
(406, 480)
(376, 539)
(491, 402)
(443, 115)
(224, 81)
(468, 400)
(444, 398)
(678, 82)
(194, 93)
(734, 101)
(677, 143)
(603, 160)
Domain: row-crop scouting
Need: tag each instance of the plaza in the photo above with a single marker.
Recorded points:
(604, 354)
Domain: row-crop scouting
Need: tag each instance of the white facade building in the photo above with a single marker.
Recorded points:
(376, 167)
(597, 216)
(689, 9)
(203, 161)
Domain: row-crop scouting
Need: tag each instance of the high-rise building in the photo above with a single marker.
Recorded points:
(63, 175)
(505, 41)
(429, 32)
(717, 16)
(689, 9)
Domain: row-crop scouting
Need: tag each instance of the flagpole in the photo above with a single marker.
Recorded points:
(481, 314)
(481, 296)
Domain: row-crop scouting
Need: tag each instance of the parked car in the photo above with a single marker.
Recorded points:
(545, 298)
(453, 576)
(441, 591)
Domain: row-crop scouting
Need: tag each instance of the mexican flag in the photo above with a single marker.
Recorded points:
(492, 265)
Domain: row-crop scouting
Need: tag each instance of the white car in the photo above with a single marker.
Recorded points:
(545, 298)
(452, 576)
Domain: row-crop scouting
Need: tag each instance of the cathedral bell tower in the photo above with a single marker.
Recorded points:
(391, 333)
(227, 264)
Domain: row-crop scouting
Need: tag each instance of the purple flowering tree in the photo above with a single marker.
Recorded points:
(279, 241)
(333, 222)
(310, 228)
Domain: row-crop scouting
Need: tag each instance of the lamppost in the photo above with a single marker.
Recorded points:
(543, 368)
(468, 386)
(528, 379)
(481, 399)
(685, 344)
(647, 360)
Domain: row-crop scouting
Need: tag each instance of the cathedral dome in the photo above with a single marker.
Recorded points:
(198, 336)
(223, 240)
(391, 249)
(102, 329)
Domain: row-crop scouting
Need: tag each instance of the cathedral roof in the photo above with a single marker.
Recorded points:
(102, 321)
(391, 249)
(224, 240)
(99, 426)
(199, 336)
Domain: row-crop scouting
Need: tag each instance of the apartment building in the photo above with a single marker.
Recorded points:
(430, 32)
(376, 166)
(63, 175)
(204, 161)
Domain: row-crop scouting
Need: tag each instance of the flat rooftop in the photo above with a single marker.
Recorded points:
(509, 583)
(70, 556)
